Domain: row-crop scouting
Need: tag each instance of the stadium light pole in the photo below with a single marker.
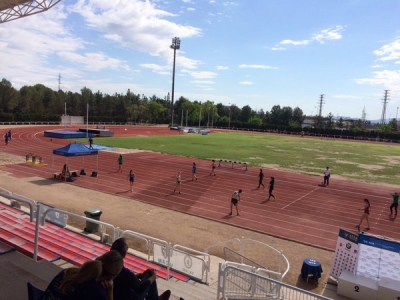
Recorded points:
(176, 45)
(229, 124)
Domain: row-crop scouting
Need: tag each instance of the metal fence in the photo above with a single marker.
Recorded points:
(242, 282)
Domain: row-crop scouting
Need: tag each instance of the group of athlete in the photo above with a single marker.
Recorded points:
(236, 194)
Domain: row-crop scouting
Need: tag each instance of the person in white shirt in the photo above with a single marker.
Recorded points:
(327, 174)
(178, 183)
(235, 201)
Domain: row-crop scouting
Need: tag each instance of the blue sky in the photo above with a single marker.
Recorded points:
(247, 52)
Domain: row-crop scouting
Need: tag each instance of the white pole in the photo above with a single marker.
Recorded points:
(182, 119)
(65, 115)
(199, 118)
(87, 120)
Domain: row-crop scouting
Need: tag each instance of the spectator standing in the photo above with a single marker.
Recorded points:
(6, 138)
(395, 204)
(365, 215)
(178, 182)
(131, 178)
(235, 201)
(92, 281)
(120, 162)
(9, 134)
(327, 175)
(213, 165)
(140, 286)
(261, 179)
(271, 188)
(194, 171)
(90, 142)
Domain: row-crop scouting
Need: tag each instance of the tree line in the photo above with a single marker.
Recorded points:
(40, 103)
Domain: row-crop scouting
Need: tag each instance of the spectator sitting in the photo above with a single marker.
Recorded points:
(92, 281)
(130, 286)
(65, 172)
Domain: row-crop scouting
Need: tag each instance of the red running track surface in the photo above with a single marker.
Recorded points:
(304, 211)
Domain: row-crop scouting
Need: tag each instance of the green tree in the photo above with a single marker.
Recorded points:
(298, 115)
(385, 129)
(275, 116)
(255, 121)
(8, 96)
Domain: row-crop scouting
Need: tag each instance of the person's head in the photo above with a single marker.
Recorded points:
(327, 168)
(213, 160)
(366, 201)
(194, 164)
(395, 193)
(272, 177)
(90, 270)
(260, 170)
(239, 191)
(112, 263)
(130, 171)
(120, 246)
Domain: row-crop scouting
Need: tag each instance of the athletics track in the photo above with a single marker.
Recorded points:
(303, 212)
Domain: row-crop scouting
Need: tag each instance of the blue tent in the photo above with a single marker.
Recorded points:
(76, 149)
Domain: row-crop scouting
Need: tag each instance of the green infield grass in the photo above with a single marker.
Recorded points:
(360, 161)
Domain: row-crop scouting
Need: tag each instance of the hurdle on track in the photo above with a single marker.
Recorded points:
(233, 164)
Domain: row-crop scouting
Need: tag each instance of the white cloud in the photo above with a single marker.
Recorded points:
(136, 24)
(328, 34)
(242, 66)
(154, 67)
(320, 37)
(246, 83)
(295, 43)
(191, 9)
(203, 74)
(390, 79)
(222, 68)
(377, 66)
(276, 48)
(389, 51)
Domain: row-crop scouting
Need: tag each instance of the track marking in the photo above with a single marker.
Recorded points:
(300, 198)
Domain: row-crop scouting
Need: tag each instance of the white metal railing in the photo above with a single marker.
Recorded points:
(150, 242)
(40, 220)
(283, 266)
(31, 203)
(238, 281)
(203, 258)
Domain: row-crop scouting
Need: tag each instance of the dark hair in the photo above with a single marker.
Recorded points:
(120, 246)
(366, 200)
(240, 191)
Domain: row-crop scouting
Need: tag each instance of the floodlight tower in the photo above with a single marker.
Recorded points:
(176, 45)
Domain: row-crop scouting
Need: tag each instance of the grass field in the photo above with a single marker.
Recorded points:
(367, 162)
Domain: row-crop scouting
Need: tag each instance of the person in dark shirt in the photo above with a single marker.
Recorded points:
(130, 286)
(260, 179)
(92, 281)
(271, 188)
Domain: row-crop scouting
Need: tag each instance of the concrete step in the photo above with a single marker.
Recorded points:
(190, 290)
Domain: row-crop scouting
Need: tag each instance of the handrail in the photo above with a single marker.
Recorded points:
(31, 203)
(40, 220)
(242, 244)
(149, 241)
